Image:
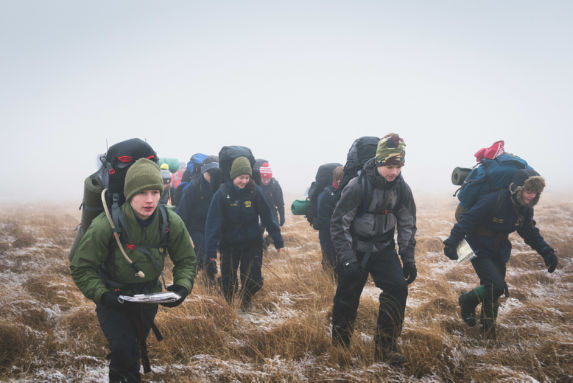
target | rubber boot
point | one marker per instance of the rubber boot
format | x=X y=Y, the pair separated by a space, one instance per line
x=488 y=317
x=468 y=302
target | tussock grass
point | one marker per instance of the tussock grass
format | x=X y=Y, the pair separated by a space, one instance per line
x=47 y=325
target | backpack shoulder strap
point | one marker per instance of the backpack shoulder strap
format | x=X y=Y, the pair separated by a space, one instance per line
x=163 y=226
x=366 y=192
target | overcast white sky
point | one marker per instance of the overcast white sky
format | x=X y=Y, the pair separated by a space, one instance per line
x=296 y=81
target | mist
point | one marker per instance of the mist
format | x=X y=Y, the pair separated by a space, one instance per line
x=296 y=82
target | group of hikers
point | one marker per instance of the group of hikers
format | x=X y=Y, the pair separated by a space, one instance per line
x=224 y=208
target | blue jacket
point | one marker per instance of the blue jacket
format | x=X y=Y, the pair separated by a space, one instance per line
x=233 y=218
x=487 y=225
x=274 y=195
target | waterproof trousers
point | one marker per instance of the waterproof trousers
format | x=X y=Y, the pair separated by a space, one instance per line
x=124 y=328
x=386 y=271
x=246 y=258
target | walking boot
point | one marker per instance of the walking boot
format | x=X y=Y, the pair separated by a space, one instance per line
x=468 y=302
x=385 y=351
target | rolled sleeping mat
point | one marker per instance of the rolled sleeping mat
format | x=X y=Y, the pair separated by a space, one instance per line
x=459 y=175
x=299 y=206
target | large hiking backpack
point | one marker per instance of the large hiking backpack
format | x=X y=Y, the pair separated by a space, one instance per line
x=487 y=176
x=361 y=150
x=110 y=176
x=228 y=154
x=322 y=179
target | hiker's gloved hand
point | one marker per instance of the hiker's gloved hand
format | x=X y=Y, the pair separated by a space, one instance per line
x=211 y=268
x=410 y=272
x=110 y=299
x=450 y=249
x=282 y=220
x=179 y=290
x=550 y=259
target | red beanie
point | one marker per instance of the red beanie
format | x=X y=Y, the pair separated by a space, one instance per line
x=266 y=171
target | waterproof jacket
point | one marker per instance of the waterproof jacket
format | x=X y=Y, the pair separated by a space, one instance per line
x=274 y=195
x=233 y=218
x=194 y=204
x=325 y=204
x=488 y=223
x=369 y=210
x=98 y=252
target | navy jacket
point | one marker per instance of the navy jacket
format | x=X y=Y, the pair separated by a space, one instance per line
x=490 y=220
x=326 y=202
x=274 y=195
x=194 y=204
x=233 y=218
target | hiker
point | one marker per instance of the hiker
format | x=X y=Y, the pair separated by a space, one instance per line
x=166 y=177
x=192 y=209
x=102 y=272
x=326 y=202
x=274 y=194
x=486 y=226
x=233 y=222
x=371 y=207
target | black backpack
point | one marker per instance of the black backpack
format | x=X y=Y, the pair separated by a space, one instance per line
x=228 y=154
x=361 y=150
x=111 y=176
x=322 y=179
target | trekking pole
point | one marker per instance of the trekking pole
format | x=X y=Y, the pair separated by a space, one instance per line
x=138 y=272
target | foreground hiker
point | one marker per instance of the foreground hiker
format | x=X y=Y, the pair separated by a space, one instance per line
x=102 y=273
x=486 y=227
x=371 y=207
x=233 y=223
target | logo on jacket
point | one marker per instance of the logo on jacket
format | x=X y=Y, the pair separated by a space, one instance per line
x=248 y=204
x=497 y=220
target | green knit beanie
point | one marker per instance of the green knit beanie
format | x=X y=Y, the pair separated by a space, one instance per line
x=391 y=150
x=240 y=166
x=143 y=175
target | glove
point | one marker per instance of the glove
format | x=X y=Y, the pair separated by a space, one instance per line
x=110 y=299
x=179 y=290
x=282 y=220
x=410 y=272
x=550 y=259
x=450 y=249
x=211 y=268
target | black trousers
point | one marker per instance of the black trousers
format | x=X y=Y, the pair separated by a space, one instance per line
x=248 y=259
x=386 y=271
x=123 y=328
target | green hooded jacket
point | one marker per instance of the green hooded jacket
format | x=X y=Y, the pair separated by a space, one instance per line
x=98 y=248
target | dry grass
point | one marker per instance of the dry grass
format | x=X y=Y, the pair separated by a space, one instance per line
x=49 y=332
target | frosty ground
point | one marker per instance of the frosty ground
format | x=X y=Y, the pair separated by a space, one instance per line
x=49 y=332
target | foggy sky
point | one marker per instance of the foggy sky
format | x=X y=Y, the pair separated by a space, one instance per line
x=295 y=81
